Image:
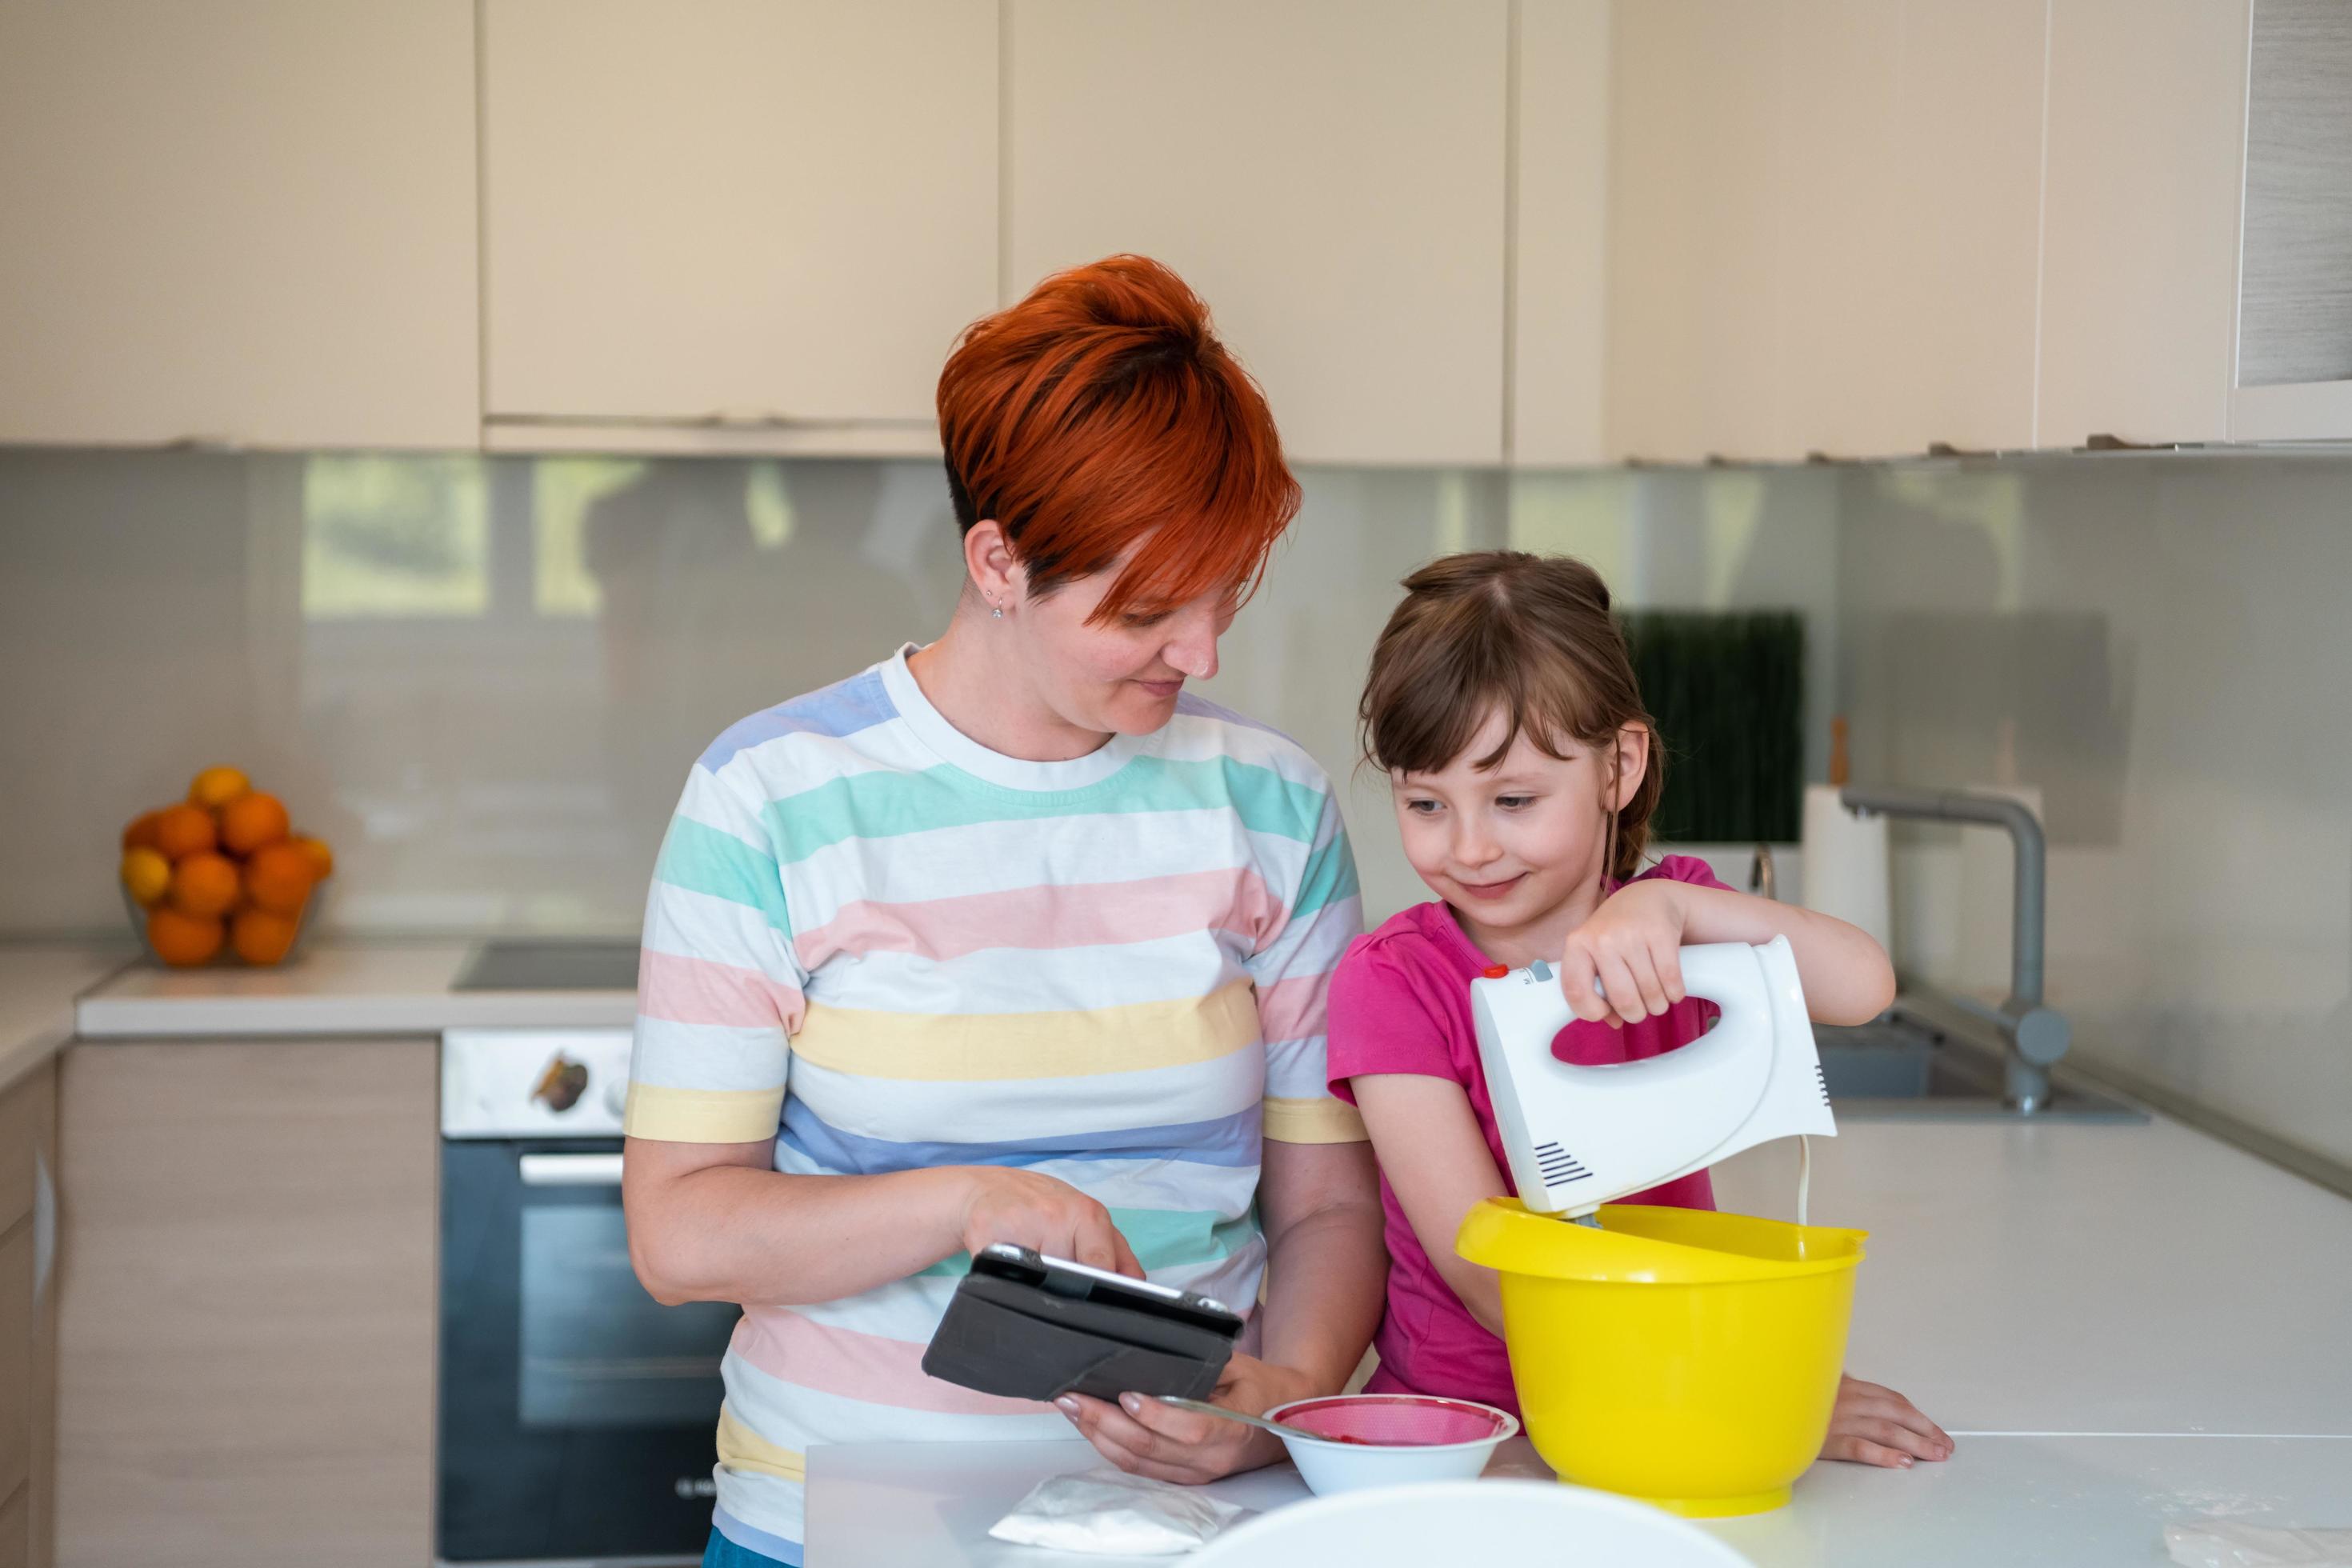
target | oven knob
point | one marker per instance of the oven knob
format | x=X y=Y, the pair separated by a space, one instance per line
x=616 y=1097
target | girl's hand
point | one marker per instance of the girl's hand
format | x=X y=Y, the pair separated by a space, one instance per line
x=1003 y=1202
x=1145 y=1437
x=1633 y=945
x=1874 y=1426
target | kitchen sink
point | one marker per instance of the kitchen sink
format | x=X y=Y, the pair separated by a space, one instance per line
x=551 y=966
x=1902 y=1067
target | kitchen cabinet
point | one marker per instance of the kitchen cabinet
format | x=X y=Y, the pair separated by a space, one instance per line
x=743 y=224
x=2147 y=117
x=1329 y=175
x=27 y=1318
x=1559 y=208
x=1823 y=227
x=246 y=1302
x=248 y=221
x=2293 y=364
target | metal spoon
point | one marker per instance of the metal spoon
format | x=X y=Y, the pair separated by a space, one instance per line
x=1204 y=1407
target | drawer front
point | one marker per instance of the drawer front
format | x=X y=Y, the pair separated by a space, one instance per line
x=22 y=1120
x=16 y=1359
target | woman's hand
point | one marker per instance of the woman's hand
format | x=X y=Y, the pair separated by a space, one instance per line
x=1633 y=945
x=1146 y=1438
x=1003 y=1202
x=1874 y=1426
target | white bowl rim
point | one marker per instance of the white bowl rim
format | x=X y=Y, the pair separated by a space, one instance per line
x=1510 y=1422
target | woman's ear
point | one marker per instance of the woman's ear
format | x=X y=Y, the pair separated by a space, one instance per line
x=1630 y=753
x=995 y=571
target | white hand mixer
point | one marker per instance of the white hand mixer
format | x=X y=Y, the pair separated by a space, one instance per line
x=1579 y=1137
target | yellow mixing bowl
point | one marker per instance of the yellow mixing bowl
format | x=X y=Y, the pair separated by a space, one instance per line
x=1683 y=1357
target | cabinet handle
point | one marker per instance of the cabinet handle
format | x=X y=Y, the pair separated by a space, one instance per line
x=45 y=1228
x=571 y=1170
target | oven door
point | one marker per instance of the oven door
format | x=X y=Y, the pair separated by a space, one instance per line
x=577 y=1412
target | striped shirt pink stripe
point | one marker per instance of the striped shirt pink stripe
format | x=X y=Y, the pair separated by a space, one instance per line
x=796 y=1349
x=1047 y=916
x=682 y=990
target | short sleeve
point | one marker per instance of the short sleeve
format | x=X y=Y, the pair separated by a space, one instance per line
x=1684 y=869
x=1381 y=1023
x=720 y=990
x=1323 y=913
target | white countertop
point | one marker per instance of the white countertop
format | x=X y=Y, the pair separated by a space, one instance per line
x=39 y=984
x=2119 y=1324
x=334 y=988
x=1999 y=1502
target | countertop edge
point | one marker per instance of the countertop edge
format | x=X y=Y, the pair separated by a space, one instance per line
x=101 y=1019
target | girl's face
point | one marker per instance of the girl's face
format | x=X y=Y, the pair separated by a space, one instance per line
x=1124 y=675
x=1511 y=846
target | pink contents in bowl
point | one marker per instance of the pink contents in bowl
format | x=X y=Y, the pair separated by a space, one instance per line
x=1396 y=1420
x=1350 y=1441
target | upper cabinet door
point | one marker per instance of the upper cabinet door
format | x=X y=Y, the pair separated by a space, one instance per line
x=1560 y=211
x=1328 y=175
x=2147 y=130
x=238 y=220
x=772 y=212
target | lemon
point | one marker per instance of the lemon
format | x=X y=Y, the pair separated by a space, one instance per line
x=146 y=873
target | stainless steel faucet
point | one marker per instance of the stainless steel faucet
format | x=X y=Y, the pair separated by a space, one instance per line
x=2036 y=1036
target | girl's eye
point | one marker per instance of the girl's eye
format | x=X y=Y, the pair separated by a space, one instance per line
x=1422 y=807
x=1514 y=802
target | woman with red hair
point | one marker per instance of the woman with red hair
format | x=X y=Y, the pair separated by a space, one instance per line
x=1009 y=938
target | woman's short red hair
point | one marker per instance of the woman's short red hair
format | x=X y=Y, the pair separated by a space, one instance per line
x=1101 y=414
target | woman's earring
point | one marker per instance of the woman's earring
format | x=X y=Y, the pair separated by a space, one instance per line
x=997 y=610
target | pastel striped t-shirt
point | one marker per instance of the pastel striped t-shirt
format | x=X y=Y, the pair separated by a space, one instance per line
x=887 y=947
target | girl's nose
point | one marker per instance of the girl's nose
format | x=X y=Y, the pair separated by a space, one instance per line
x=1473 y=846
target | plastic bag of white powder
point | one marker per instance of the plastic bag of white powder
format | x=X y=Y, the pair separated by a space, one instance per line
x=1110 y=1511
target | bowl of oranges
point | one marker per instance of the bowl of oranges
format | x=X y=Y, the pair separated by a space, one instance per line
x=221 y=875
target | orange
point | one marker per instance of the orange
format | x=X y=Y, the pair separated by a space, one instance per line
x=322 y=859
x=146 y=873
x=205 y=884
x=185 y=830
x=278 y=877
x=182 y=939
x=262 y=936
x=140 y=834
x=216 y=787
x=250 y=821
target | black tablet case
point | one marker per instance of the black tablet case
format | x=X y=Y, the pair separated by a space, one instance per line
x=1023 y=1341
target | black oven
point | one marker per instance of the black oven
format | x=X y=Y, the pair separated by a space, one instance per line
x=577 y=1414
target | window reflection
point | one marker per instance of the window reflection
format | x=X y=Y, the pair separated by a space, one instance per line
x=387 y=537
x=563 y=491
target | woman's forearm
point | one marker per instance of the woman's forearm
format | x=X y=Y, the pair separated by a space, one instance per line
x=736 y=1232
x=1327 y=1272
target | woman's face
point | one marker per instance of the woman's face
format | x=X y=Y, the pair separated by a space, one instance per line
x=1123 y=675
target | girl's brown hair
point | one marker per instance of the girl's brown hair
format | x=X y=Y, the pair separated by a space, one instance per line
x=1531 y=636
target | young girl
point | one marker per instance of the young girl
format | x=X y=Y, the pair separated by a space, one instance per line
x=1524 y=770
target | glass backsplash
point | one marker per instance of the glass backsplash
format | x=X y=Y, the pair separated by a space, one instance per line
x=483 y=680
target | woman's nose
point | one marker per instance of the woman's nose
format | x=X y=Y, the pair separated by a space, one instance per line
x=1193 y=648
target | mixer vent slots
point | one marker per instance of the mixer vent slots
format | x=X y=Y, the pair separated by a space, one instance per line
x=1558 y=1166
x=1822 y=1080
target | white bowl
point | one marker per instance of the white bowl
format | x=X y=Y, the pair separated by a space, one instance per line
x=1328 y=1466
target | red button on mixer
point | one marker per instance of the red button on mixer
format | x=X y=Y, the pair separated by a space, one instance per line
x=1495 y=971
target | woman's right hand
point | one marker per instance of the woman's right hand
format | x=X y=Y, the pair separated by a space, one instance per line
x=1004 y=1204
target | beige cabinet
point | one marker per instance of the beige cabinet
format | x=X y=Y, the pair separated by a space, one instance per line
x=1559 y=236
x=745 y=222
x=247 y=1303
x=1823 y=227
x=2146 y=129
x=1329 y=174
x=27 y=1318
x=240 y=220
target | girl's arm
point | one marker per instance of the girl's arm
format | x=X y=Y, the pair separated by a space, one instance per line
x=1437 y=1163
x=1632 y=940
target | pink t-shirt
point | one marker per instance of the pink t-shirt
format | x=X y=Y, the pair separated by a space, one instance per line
x=1401 y=1004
